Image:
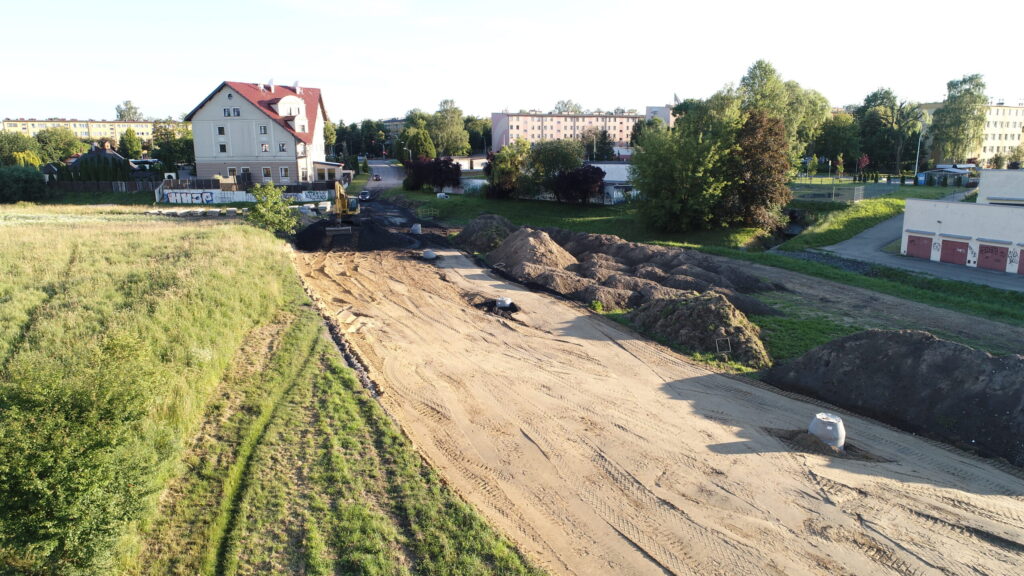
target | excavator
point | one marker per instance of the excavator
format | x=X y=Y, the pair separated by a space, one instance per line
x=342 y=214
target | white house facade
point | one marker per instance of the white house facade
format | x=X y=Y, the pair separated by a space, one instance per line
x=272 y=133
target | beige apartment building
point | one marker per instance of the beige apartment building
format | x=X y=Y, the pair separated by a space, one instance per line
x=84 y=129
x=1004 y=126
x=535 y=126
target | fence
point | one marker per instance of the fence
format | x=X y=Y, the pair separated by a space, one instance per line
x=848 y=194
x=85 y=187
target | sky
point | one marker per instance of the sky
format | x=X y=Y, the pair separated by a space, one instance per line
x=380 y=58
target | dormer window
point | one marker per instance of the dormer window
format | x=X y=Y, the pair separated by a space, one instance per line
x=282 y=147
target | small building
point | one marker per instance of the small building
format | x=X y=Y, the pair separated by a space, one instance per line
x=988 y=234
x=618 y=186
x=261 y=132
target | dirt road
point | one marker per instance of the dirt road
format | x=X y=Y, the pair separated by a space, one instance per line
x=600 y=452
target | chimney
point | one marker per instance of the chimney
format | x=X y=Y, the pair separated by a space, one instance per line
x=271 y=85
x=296 y=87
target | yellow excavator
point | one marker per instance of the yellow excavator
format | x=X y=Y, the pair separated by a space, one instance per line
x=342 y=214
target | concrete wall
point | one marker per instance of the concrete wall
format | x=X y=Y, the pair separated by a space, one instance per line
x=1001 y=187
x=983 y=228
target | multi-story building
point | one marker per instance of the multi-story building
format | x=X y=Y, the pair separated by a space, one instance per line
x=84 y=129
x=272 y=133
x=535 y=126
x=1004 y=127
x=393 y=126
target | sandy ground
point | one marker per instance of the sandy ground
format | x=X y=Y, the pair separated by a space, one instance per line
x=599 y=452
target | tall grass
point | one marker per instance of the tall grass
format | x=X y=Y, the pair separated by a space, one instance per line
x=839 y=225
x=113 y=335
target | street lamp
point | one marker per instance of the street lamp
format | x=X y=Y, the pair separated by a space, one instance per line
x=917 y=159
x=410 y=154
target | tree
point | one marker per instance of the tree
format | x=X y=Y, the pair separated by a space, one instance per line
x=504 y=169
x=479 y=130
x=567 y=107
x=579 y=185
x=127 y=112
x=19 y=183
x=959 y=124
x=839 y=137
x=11 y=142
x=172 y=144
x=1016 y=157
x=763 y=89
x=271 y=211
x=812 y=167
x=130 y=146
x=642 y=125
x=28 y=159
x=840 y=168
x=448 y=131
x=330 y=136
x=761 y=192
x=56 y=144
x=597 y=144
x=998 y=161
x=682 y=174
x=418 y=141
x=550 y=158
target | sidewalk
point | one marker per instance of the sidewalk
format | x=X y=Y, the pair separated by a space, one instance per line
x=867 y=247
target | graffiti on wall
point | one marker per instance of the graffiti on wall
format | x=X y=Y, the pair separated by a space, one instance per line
x=187 y=197
x=227 y=197
x=1013 y=256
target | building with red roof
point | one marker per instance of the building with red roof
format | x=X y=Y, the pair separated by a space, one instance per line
x=271 y=133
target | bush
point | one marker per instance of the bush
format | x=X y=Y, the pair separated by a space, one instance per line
x=271 y=211
x=19 y=183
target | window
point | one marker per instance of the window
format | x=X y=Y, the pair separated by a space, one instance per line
x=223 y=147
x=305 y=175
x=263 y=129
x=232 y=172
x=264 y=147
x=266 y=172
x=282 y=147
x=227 y=112
x=245 y=169
x=284 y=172
x=236 y=112
x=220 y=131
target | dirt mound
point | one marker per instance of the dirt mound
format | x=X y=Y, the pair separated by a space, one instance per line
x=913 y=380
x=484 y=233
x=311 y=238
x=749 y=305
x=609 y=298
x=527 y=245
x=553 y=279
x=699 y=323
x=373 y=236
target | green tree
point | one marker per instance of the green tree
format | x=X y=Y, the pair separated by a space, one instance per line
x=802 y=111
x=567 y=107
x=418 y=141
x=839 y=136
x=448 y=131
x=597 y=144
x=762 y=88
x=172 y=144
x=840 y=167
x=130 y=146
x=959 y=124
x=641 y=126
x=504 y=169
x=812 y=167
x=682 y=174
x=998 y=161
x=19 y=183
x=550 y=158
x=127 y=112
x=56 y=144
x=27 y=158
x=1016 y=156
x=330 y=136
x=11 y=142
x=271 y=211
x=479 y=130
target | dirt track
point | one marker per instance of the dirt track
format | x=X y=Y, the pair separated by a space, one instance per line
x=599 y=452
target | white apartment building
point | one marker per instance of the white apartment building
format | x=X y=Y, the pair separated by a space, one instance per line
x=1004 y=126
x=274 y=133
x=84 y=129
x=535 y=126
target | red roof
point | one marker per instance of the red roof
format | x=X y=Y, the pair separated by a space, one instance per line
x=263 y=100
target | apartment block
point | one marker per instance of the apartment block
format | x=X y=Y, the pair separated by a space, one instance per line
x=84 y=129
x=536 y=126
x=1004 y=127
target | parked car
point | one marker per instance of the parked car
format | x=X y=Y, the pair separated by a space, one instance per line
x=376 y=177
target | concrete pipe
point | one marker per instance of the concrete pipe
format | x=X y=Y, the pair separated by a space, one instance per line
x=829 y=429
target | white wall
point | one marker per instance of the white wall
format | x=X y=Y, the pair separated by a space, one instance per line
x=1001 y=186
x=976 y=224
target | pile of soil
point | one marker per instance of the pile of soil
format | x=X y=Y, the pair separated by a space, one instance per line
x=699 y=323
x=311 y=238
x=373 y=236
x=526 y=245
x=921 y=383
x=484 y=233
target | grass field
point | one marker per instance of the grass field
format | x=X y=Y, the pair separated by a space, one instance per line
x=170 y=404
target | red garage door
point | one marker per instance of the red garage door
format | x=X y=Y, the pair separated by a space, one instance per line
x=954 y=252
x=1020 y=263
x=992 y=257
x=919 y=247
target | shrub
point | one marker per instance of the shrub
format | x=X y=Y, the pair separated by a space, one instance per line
x=19 y=183
x=271 y=211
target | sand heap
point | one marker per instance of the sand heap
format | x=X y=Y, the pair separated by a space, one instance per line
x=484 y=233
x=676 y=294
x=920 y=383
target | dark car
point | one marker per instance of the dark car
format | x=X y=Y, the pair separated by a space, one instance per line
x=364 y=195
x=376 y=177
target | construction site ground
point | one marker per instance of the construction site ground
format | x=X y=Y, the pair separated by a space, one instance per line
x=600 y=452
